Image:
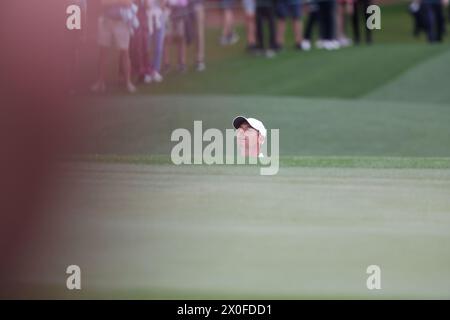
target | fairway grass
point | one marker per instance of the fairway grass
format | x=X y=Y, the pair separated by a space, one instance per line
x=426 y=82
x=142 y=125
x=347 y=73
x=291 y=161
x=186 y=232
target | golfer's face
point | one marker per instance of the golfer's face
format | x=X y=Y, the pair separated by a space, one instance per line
x=247 y=138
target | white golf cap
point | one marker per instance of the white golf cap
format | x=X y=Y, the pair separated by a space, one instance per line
x=254 y=123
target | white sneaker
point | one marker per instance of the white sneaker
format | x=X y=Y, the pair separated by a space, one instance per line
x=157 y=77
x=148 y=79
x=335 y=44
x=320 y=44
x=345 y=42
x=131 y=88
x=230 y=39
x=306 y=45
x=200 y=67
x=270 y=53
x=331 y=45
x=98 y=87
x=234 y=38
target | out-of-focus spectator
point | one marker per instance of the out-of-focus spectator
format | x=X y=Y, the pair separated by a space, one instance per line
x=343 y=10
x=197 y=10
x=446 y=3
x=265 y=13
x=115 y=26
x=327 y=17
x=433 y=18
x=292 y=9
x=157 y=29
x=360 y=10
x=178 y=33
x=250 y=23
x=169 y=37
x=229 y=35
x=139 y=45
x=312 y=20
x=416 y=12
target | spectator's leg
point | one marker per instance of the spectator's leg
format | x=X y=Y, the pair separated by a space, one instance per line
x=227 y=29
x=332 y=19
x=421 y=20
x=448 y=14
x=126 y=67
x=313 y=17
x=158 y=47
x=325 y=13
x=297 y=26
x=105 y=37
x=168 y=44
x=136 y=54
x=417 y=27
x=250 y=22
x=134 y=45
x=147 y=66
x=429 y=22
x=272 y=28
x=200 y=32
x=251 y=30
x=122 y=36
x=348 y=10
x=157 y=44
x=440 y=21
x=322 y=19
x=281 y=13
x=260 y=27
x=355 y=22
x=297 y=23
x=181 y=45
x=367 y=3
x=281 y=29
x=142 y=62
x=340 y=12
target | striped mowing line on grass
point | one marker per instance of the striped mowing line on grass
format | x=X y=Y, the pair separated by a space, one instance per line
x=293 y=161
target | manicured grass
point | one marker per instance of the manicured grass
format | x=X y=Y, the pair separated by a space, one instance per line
x=142 y=125
x=425 y=83
x=159 y=232
x=346 y=73
x=291 y=161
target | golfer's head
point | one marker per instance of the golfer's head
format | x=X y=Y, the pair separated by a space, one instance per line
x=250 y=134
